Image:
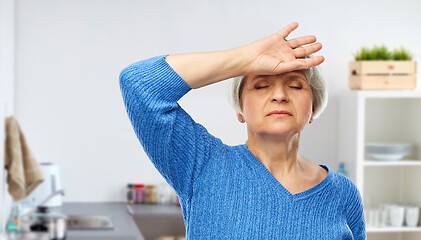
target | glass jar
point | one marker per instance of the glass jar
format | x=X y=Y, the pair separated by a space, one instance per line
x=164 y=193
x=130 y=193
x=150 y=196
x=138 y=192
x=174 y=198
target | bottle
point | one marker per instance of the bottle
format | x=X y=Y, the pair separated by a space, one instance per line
x=130 y=193
x=341 y=169
x=13 y=222
x=138 y=193
x=150 y=194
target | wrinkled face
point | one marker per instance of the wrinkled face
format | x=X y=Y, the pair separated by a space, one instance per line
x=277 y=105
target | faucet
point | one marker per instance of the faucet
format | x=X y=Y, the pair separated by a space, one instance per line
x=61 y=192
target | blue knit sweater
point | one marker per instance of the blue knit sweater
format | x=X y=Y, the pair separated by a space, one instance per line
x=225 y=192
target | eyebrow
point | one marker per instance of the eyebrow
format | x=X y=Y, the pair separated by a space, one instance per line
x=291 y=76
x=260 y=77
x=295 y=76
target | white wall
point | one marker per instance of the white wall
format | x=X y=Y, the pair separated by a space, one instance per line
x=7 y=16
x=69 y=54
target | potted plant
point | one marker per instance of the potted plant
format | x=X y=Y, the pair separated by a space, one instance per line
x=380 y=69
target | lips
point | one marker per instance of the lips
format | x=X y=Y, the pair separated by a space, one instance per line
x=280 y=112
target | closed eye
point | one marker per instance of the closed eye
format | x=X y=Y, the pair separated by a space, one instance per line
x=260 y=87
x=295 y=87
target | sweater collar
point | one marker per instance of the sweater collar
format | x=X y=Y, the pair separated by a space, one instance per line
x=267 y=175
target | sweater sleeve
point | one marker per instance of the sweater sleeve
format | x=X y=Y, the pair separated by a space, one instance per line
x=176 y=145
x=355 y=213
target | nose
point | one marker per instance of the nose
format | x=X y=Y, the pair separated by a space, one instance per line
x=279 y=95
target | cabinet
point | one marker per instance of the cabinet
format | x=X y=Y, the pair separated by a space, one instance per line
x=156 y=220
x=389 y=117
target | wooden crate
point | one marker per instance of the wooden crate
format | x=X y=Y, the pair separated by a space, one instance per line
x=382 y=75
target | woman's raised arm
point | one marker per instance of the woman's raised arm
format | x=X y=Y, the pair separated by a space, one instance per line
x=179 y=147
x=268 y=56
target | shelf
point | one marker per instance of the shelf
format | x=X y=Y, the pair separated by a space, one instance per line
x=384 y=117
x=369 y=163
x=392 y=229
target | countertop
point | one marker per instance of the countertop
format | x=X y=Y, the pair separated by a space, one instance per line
x=124 y=225
x=144 y=210
x=122 y=215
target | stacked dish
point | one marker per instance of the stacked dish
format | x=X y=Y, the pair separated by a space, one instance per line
x=388 y=151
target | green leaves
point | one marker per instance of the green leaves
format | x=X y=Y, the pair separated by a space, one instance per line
x=382 y=53
x=402 y=54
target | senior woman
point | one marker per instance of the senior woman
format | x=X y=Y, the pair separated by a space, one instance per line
x=263 y=189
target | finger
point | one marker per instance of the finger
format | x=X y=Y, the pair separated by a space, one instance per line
x=296 y=42
x=305 y=51
x=289 y=66
x=299 y=64
x=288 y=29
x=311 y=62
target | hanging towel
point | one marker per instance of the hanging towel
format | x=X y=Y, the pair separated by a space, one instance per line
x=24 y=173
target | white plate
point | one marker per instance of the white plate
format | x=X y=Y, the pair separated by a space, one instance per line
x=388 y=157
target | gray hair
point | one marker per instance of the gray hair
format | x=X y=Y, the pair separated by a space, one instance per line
x=314 y=77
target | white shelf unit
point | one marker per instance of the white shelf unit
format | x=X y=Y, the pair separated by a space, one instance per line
x=388 y=117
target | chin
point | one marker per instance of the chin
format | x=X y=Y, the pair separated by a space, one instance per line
x=281 y=132
x=281 y=127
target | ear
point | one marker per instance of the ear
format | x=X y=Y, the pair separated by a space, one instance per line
x=311 y=117
x=240 y=118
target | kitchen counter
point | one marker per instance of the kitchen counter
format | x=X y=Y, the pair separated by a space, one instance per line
x=124 y=226
x=144 y=210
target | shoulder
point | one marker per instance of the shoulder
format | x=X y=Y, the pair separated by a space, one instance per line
x=344 y=182
x=349 y=191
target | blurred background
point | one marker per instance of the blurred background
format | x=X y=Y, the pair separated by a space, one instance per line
x=60 y=65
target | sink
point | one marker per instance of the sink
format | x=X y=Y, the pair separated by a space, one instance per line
x=86 y=222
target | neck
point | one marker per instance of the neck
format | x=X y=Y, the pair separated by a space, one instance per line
x=278 y=154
